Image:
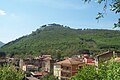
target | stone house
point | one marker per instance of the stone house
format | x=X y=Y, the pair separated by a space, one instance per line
x=106 y=56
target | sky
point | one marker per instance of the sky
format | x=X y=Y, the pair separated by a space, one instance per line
x=21 y=17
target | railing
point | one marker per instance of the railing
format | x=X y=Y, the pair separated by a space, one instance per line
x=64 y=70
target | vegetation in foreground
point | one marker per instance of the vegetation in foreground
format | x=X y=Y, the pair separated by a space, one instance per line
x=49 y=77
x=106 y=71
x=9 y=72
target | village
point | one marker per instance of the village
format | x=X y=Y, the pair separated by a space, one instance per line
x=44 y=65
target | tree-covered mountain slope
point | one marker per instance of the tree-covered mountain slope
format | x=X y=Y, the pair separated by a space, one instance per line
x=55 y=38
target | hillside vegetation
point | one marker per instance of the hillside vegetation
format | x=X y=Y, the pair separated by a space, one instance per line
x=54 y=38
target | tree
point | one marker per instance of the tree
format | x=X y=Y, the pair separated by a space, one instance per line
x=58 y=54
x=86 y=73
x=114 y=6
x=2 y=54
x=109 y=71
x=8 y=72
x=49 y=77
x=105 y=71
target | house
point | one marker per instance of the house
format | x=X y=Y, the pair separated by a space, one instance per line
x=36 y=75
x=30 y=68
x=43 y=63
x=31 y=78
x=47 y=64
x=67 y=68
x=57 y=71
x=117 y=59
x=106 y=56
x=14 y=61
x=31 y=61
x=39 y=74
x=84 y=53
x=29 y=64
x=3 y=59
x=89 y=61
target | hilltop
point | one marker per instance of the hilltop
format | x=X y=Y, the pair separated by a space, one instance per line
x=55 y=38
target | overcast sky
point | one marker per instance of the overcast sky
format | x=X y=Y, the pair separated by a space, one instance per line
x=21 y=17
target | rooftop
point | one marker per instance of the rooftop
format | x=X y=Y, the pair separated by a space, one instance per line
x=39 y=73
x=32 y=78
x=117 y=59
x=69 y=61
x=105 y=53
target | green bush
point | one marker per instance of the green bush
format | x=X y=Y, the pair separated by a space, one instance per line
x=106 y=71
x=9 y=72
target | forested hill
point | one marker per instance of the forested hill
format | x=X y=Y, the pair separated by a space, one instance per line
x=1 y=43
x=55 y=38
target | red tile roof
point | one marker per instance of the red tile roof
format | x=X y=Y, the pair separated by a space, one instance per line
x=69 y=61
x=39 y=73
x=89 y=61
x=117 y=59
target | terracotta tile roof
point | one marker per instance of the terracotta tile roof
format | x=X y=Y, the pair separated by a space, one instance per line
x=117 y=59
x=39 y=73
x=89 y=61
x=69 y=61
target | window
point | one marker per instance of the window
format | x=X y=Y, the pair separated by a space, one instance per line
x=80 y=67
x=67 y=68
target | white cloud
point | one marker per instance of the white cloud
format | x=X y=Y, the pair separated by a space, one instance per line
x=2 y=13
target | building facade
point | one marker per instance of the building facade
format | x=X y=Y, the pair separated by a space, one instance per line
x=67 y=68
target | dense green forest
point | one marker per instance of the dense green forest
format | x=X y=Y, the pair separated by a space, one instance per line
x=58 y=39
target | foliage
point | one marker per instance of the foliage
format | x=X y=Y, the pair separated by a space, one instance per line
x=8 y=72
x=2 y=54
x=106 y=71
x=62 y=41
x=49 y=77
x=86 y=73
x=109 y=71
x=114 y=6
